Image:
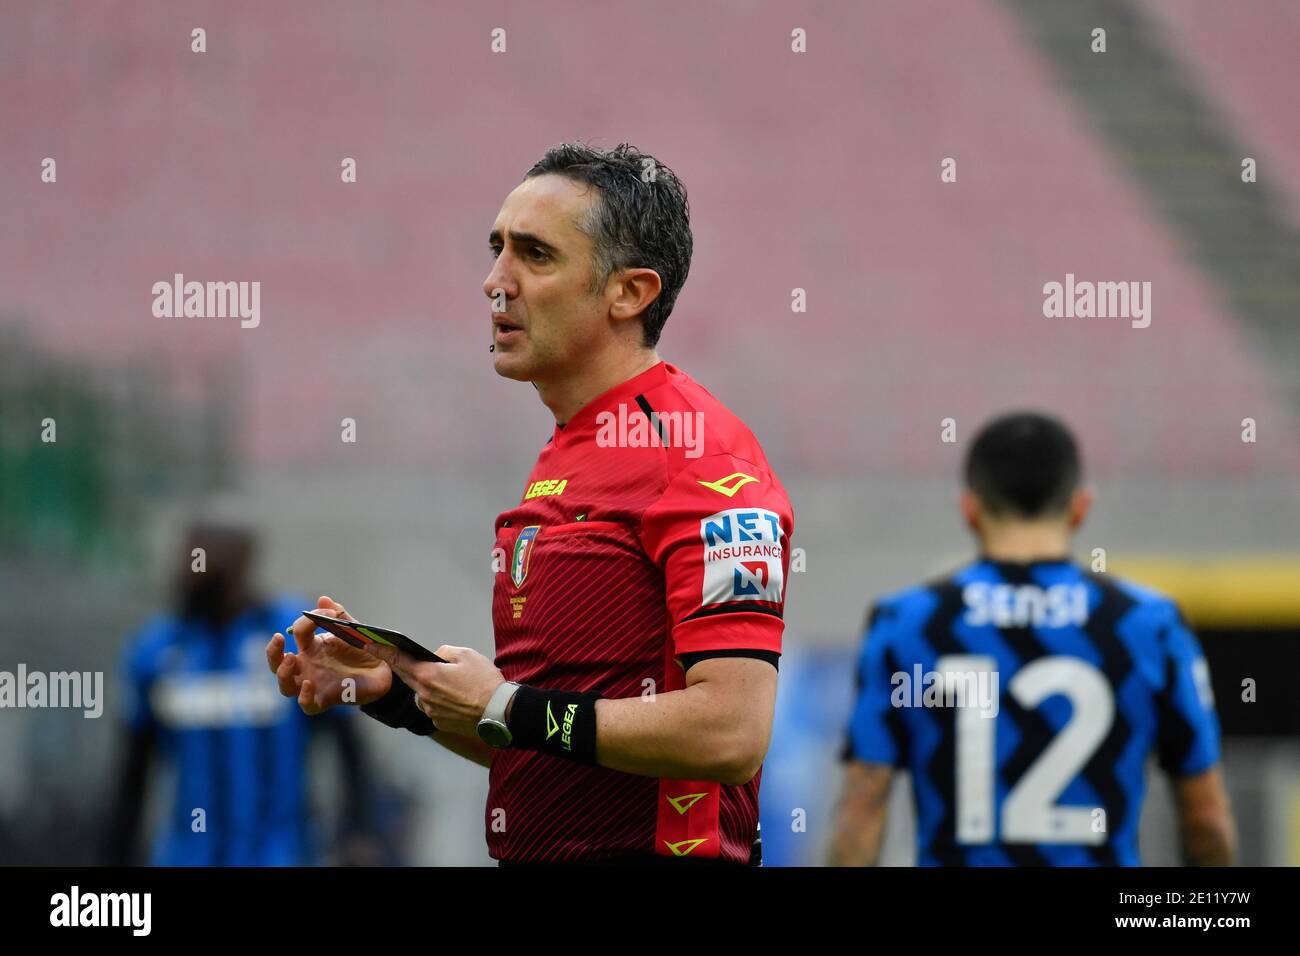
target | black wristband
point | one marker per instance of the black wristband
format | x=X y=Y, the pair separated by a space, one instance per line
x=397 y=709
x=561 y=723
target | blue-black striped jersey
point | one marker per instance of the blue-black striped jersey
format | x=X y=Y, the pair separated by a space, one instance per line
x=237 y=748
x=1025 y=699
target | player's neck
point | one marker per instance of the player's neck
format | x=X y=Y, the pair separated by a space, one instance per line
x=1025 y=543
x=565 y=397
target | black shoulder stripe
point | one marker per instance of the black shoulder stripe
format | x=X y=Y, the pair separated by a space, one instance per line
x=649 y=413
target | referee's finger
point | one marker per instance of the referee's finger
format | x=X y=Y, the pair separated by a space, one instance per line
x=304 y=629
x=275 y=651
x=307 y=699
x=285 y=673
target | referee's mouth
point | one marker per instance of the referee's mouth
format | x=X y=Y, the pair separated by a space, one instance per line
x=504 y=331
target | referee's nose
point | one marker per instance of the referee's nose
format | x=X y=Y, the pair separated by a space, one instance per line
x=500 y=278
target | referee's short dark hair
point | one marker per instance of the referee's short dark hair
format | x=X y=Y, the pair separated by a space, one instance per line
x=640 y=219
x=1025 y=465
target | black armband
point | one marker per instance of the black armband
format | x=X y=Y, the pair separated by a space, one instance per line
x=397 y=709
x=691 y=658
x=561 y=723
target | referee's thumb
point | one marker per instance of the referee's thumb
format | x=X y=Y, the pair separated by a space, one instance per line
x=328 y=603
x=385 y=653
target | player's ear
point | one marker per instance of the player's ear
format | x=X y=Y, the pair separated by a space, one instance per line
x=1080 y=504
x=970 y=509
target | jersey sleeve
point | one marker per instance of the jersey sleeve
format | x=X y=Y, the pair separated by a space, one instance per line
x=875 y=732
x=720 y=533
x=136 y=677
x=1188 y=731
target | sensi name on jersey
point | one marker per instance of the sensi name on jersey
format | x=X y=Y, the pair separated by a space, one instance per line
x=742 y=556
x=1025 y=605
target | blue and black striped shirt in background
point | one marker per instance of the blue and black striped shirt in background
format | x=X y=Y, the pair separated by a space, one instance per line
x=1025 y=700
x=204 y=699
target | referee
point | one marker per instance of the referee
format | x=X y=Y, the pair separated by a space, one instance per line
x=640 y=577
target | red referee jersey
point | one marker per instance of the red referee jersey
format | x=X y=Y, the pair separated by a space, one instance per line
x=650 y=527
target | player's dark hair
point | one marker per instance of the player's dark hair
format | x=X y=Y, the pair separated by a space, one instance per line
x=1024 y=464
x=640 y=219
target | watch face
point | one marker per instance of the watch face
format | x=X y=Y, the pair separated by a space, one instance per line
x=494 y=733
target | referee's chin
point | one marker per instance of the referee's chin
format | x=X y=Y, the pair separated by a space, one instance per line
x=516 y=365
x=511 y=366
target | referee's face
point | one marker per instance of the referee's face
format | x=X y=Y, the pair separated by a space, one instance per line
x=551 y=322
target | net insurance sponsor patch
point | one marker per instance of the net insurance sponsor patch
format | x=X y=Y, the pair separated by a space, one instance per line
x=742 y=556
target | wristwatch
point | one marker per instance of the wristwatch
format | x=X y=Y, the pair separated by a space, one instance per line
x=492 y=725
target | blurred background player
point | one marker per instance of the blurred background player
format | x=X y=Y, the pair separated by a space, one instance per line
x=1048 y=687
x=199 y=696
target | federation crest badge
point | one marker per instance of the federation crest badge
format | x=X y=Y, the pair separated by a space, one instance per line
x=523 y=548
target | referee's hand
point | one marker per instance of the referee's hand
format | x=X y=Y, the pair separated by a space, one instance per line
x=326 y=671
x=453 y=695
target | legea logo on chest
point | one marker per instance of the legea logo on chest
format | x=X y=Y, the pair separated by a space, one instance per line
x=742 y=556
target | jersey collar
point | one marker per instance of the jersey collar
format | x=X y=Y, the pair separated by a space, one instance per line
x=1045 y=559
x=584 y=419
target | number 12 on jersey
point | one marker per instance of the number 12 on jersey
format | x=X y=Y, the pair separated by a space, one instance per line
x=1029 y=813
